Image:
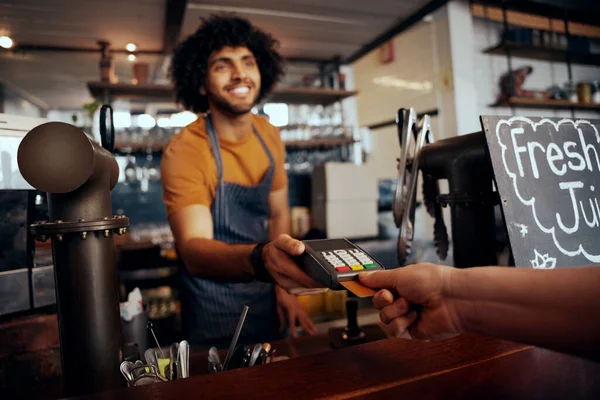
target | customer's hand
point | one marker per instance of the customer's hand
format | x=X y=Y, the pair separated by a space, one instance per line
x=291 y=311
x=423 y=287
x=284 y=271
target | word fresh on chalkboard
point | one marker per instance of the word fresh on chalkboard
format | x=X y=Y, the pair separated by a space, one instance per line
x=547 y=171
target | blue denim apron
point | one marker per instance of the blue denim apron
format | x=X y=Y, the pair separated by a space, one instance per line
x=210 y=309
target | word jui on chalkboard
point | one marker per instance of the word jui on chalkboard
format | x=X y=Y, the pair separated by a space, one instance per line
x=547 y=172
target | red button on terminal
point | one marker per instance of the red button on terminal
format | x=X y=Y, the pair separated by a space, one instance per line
x=342 y=269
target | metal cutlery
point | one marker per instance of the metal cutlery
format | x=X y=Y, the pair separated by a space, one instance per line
x=183 y=360
x=235 y=338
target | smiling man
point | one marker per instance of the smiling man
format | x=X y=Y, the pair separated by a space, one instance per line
x=226 y=190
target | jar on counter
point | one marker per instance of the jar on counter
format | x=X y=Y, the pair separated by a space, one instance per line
x=584 y=92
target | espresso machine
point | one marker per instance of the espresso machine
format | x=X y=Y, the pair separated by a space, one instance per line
x=462 y=161
x=78 y=175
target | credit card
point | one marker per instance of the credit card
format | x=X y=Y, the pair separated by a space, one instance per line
x=358 y=288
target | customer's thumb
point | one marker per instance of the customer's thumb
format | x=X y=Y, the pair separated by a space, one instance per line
x=378 y=279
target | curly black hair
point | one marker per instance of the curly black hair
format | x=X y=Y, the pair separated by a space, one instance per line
x=190 y=61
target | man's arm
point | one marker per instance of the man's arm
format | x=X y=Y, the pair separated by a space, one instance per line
x=204 y=257
x=193 y=229
x=279 y=209
x=557 y=309
x=289 y=308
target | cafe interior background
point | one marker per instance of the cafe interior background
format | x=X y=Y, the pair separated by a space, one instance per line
x=350 y=66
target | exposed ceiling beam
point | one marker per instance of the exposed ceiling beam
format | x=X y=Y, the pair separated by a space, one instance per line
x=308 y=60
x=174 y=14
x=395 y=30
x=273 y=13
x=26 y=47
x=36 y=101
x=173 y=21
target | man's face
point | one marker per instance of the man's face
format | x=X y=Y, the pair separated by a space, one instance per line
x=232 y=80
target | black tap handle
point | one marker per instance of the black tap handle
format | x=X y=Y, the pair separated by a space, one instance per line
x=400 y=124
x=353 y=329
x=107 y=128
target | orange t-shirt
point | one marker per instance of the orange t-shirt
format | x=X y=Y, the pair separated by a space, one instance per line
x=189 y=171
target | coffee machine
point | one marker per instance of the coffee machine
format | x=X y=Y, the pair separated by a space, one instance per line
x=477 y=231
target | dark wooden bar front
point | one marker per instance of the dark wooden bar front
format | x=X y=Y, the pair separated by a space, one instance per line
x=468 y=366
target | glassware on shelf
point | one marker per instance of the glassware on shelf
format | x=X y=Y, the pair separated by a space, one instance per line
x=304 y=161
x=152 y=171
x=153 y=233
x=337 y=117
x=136 y=139
x=130 y=170
x=570 y=92
x=596 y=92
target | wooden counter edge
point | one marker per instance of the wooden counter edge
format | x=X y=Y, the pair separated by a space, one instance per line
x=359 y=370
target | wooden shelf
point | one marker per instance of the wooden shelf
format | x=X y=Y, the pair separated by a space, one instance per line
x=293 y=144
x=126 y=91
x=138 y=148
x=164 y=93
x=307 y=126
x=316 y=143
x=541 y=53
x=552 y=104
x=589 y=28
x=300 y=95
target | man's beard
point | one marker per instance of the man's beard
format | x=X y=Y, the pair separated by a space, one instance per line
x=223 y=105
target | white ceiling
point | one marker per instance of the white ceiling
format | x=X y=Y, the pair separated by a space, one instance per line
x=311 y=28
x=57 y=80
x=81 y=23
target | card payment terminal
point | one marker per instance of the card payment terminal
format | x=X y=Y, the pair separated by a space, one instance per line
x=335 y=263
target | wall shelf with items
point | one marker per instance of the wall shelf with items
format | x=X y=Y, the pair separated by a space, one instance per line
x=164 y=93
x=550 y=104
x=315 y=135
x=536 y=18
x=302 y=95
x=127 y=91
x=318 y=143
x=548 y=35
x=139 y=148
x=543 y=53
x=290 y=145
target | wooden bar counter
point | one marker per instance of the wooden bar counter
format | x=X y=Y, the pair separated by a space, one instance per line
x=468 y=366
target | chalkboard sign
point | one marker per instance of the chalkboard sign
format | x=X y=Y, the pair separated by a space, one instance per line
x=547 y=171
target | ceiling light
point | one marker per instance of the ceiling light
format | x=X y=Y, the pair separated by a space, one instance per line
x=131 y=47
x=131 y=57
x=6 y=42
